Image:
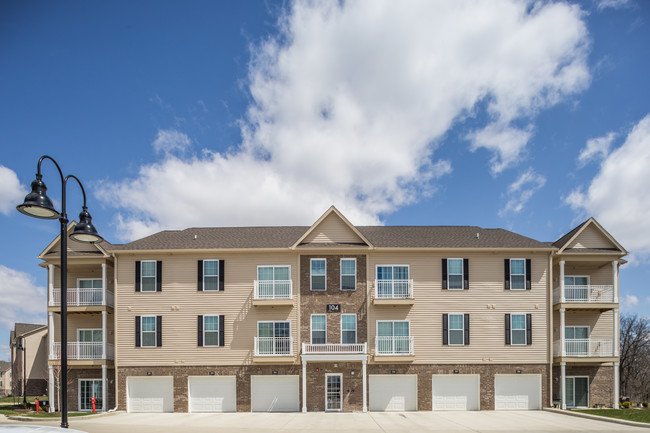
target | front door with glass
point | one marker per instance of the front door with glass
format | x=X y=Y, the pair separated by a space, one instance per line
x=333 y=396
x=89 y=388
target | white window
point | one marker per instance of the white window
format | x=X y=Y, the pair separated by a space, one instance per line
x=148 y=276
x=348 y=274
x=274 y=338
x=210 y=275
x=455 y=274
x=392 y=281
x=393 y=337
x=517 y=274
x=89 y=335
x=348 y=329
x=89 y=388
x=148 y=331
x=456 y=330
x=210 y=331
x=318 y=329
x=576 y=280
x=89 y=283
x=318 y=274
x=518 y=329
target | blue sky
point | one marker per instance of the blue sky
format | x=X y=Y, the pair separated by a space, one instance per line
x=531 y=116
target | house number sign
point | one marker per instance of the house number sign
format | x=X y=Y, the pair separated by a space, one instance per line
x=333 y=308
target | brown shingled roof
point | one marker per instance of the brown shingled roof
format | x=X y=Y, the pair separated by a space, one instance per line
x=4 y=366
x=564 y=239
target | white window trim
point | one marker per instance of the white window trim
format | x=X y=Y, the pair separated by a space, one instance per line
x=340 y=388
x=218 y=330
x=98 y=408
x=525 y=276
x=462 y=273
x=312 y=275
x=99 y=279
x=574 y=390
x=356 y=326
x=341 y=274
x=449 y=343
x=525 y=330
x=274 y=321
x=155 y=276
x=588 y=284
x=79 y=330
x=311 y=328
x=204 y=275
x=155 y=331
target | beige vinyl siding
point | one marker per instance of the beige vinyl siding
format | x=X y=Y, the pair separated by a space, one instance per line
x=599 y=274
x=601 y=325
x=93 y=271
x=82 y=321
x=591 y=237
x=332 y=230
x=486 y=288
x=180 y=303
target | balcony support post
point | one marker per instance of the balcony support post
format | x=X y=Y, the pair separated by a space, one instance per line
x=616 y=331
x=104 y=284
x=104 y=334
x=562 y=297
x=616 y=391
x=50 y=385
x=304 y=386
x=365 y=385
x=615 y=278
x=50 y=283
x=563 y=385
x=104 y=388
x=562 y=343
x=50 y=330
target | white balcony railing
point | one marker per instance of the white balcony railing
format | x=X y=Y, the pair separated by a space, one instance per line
x=272 y=289
x=78 y=350
x=273 y=346
x=394 y=345
x=360 y=348
x=393 y=289
x=585 y=347
x=79 y=297
x=588 y=293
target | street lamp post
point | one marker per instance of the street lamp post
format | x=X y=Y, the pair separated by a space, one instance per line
x=37 y=204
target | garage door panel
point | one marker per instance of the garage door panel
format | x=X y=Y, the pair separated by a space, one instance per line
x=212 y=393
x=518 y=392
x=150 y=394
x=393 y=392
x=275 y=394
x=455 y=392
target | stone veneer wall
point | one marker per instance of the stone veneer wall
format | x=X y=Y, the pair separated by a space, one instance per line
x=601 y=382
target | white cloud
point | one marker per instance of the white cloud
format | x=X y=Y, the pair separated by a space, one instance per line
x=168 y=141
x=596 y=149
x=521 y=190
x=22 y=300
x=351 y=99
x=614 y=4
x=629 y=301
x=619 y=197
x=11 y=191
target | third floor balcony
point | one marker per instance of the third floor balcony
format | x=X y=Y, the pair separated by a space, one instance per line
x=588 y=294
x=82 y=297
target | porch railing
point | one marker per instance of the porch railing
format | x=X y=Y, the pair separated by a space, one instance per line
x=78 y=350
x=584 y=347
x=588 y=293
x=308 y=348
x=273 y=346
x=79 y=297
x=273 y=289
x=394 y=345
x=393 y=289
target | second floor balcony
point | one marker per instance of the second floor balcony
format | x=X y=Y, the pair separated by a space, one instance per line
x=585 y=348
x=80 y=351
x=587 y=294
x=334 y=349
x=82 y=297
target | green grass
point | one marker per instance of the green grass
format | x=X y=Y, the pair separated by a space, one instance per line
x=19 y=399
x=638 y=415
x=18 y=410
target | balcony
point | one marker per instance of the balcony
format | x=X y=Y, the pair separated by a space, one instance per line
x=585 y=348
x=82 y=297
x=334 y=349
x=83 y=351
x=595 y=295
x=273 y=347
x=272 y=292
x=393 y=292
x=394 y=346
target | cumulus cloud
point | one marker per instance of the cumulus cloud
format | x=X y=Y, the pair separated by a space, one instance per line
x=618 y=196
x=168 y=141
x=11 y=191
x=596 y=149
x=629 y=301
x=350 y=100
x=614 y=4
x=521 y=190
x=19 y=291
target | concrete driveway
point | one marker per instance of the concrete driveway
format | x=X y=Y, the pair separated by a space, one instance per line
x=411 y=422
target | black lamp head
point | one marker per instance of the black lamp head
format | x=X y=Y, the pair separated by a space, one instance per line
x=85 y=231
x=37 y=204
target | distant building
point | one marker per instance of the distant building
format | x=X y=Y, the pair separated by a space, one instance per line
x=5 y=378
x=28 y=343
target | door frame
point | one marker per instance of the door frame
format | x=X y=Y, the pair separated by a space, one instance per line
x=340 y=376
x=79 y=389
x=574 y=390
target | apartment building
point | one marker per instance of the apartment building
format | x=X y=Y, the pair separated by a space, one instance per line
x=337 y=317
x=28 y=346
x=5 y=378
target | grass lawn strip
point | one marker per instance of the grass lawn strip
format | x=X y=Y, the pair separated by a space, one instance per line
x=637 y=415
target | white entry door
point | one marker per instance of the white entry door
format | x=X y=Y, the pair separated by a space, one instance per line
x=212 y=393
x=456 y=391
x=517 y=391
x=275 y=393
x=150 y=394
x=393 y=392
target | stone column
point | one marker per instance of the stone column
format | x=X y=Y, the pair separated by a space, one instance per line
x=563 y=384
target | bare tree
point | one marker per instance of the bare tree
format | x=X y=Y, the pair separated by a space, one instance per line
x=635 y=357
x=56 y=370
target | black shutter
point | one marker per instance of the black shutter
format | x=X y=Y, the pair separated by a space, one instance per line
x=445 y=329
x=158 y=331
x=199 y=277
x=199 y=331
x=221 y=330
x=137 y=331
x=221 y=274
x=158 y=276
x=444 y=274
x=507 y=273
x=529 y=329
x=466 y=274
x=507 y=329
x=466 y=318
x=137 y=275
x=527 y=274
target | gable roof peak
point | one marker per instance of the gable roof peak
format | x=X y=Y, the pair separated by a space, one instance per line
x=332 y=211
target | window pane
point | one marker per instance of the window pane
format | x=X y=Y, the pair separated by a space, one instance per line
x=84 y=335
x=85 y=284
x=456 y=337
x=401 y=272
x=456 y=321
x=149 y=339
x=148 y=269
x=148 y=323
x=96 y=335
x=318 y=337
x=348 y=322
x=282 y=273
x=265 y=329
x=265 y=273
x=97 y=284
x=518 y=336
x=281 y=329
x=210 y=283
x=401 y=329
x=517 y=282
x=211 y=323
x=455 y=266
x=318 y=322
x=148 y=284
x=318 y=282
x=569 y=281
x=455 y=281
x=348 y=267
x=385 y=329
x=211 y=267
x=581 y=281
x=348 y=282
x=211 y=338
x=349 y=337
x=384 y=273
x=517 y=266
x=518 y=321
x=318 y=267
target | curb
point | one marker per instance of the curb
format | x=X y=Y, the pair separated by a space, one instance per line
x=599 y=418
x=35 y=418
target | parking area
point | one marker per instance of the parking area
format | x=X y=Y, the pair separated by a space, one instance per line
x=375 y=422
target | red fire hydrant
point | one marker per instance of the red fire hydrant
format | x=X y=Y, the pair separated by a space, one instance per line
x=94 y=399
x=37 y=405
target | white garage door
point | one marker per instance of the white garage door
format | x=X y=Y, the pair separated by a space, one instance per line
x=393 y=392
x=517 y=391
x=274 y=394
x=212 y=393
x=150 y=394
x=456 y=392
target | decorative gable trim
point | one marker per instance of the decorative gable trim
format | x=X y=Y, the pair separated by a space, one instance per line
x=330 y=211
x=591 y=221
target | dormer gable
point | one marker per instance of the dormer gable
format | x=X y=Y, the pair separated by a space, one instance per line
x=332 y=228
x=590 y=236
x=54 y=248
